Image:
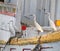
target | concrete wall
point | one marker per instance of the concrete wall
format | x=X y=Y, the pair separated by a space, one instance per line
x=11 y=1
x=33 y=5
x=37 y=7
x=29 y=7
x=52 y=9
x=58 y=10
x=41 y=17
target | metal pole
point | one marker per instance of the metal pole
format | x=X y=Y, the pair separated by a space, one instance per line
x=18 y=14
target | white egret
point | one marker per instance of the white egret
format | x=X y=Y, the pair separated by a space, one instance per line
x=52 y=24
x=39 y=28
x=13 y=29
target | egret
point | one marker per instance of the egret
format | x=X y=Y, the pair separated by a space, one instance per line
x=51 y=22
x=39 y=28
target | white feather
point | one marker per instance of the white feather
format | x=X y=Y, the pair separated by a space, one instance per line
x=52 y=23
x=11 y=29
x=37 y=25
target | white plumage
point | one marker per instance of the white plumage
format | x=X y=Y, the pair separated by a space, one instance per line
x=51 y=23
x=37 y=25
x=13 y=28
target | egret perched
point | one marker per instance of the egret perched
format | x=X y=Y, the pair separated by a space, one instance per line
x=51 y=22
x=39 y=28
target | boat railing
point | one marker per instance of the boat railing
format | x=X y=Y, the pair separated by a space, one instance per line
x=7 y=8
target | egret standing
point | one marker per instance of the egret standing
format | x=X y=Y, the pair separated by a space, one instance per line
x=39 y=28
x=51 y=22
